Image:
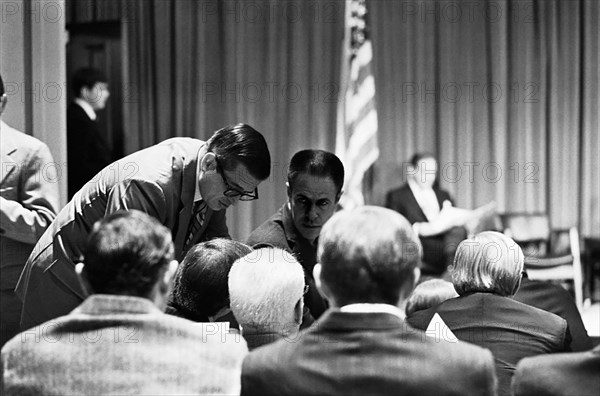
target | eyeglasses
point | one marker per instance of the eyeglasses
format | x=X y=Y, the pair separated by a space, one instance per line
x=233 y=192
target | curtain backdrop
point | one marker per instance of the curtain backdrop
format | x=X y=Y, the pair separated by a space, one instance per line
x=505 y=94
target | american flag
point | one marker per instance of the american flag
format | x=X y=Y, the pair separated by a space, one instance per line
x=356 y=140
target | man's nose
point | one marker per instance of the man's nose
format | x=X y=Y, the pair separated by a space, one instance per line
x=233 y=200
x=312 y=213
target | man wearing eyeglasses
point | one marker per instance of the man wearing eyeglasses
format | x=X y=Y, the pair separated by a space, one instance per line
x=184 y=183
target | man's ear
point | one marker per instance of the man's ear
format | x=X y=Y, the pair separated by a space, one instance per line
x=288 y=189
x=208 y=163
x=82 y=278
x=169 y=273
x=3 y=101
x=298 y=311
x=338 y=196
x=321 y=286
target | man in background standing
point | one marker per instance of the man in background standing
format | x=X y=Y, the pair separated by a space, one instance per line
x=87 y=150
x=28 y=204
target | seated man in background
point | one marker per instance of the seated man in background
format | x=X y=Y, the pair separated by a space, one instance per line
x=421 y=200
x=314 y=187
x=362 y=345
x=200 y=291
x=118 y=341
x=266 y=289
x=429 y=294
x=486 y=274
x=559 y=374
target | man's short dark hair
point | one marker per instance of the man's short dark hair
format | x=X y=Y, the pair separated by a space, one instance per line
x=243 y=144
x=368 y=255
x=126 y=253
x=200 y=285
x=418 y=157
x=2 y=91
x=317 y=163
x=86 y=77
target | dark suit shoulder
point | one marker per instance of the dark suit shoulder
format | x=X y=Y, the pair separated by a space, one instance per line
x=270 y=232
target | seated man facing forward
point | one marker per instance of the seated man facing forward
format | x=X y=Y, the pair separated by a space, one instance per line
x=266 y=289
x=118 y=341
x=314 y=187
x=363 y=345
x=421 y=201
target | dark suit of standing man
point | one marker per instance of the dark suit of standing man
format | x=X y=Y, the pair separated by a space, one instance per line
x=28 y=204
x=420 y=201
x=87 y=150
x=185 y=183
x=367 y=268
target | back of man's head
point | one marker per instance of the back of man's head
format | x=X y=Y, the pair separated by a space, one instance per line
x=241 y=144
x=266 y=289
x=200 y=285
x=126 y=253
x=2 y=91
x=317 y=163
x=86 y=77
x=367 y=255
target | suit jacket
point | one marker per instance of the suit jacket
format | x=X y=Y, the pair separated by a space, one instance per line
x=121 y=345
x=29 y=200
x=87 y=150
x=509 y=329
x=366 y=354
x=279 y=231
x=559 y=374
x=554 y=298
x=403 y=201
x=436 y=253
x=159 y=180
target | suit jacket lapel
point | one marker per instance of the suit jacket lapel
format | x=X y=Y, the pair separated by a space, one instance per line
x=188 y=188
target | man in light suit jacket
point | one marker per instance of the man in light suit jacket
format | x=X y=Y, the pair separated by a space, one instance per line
x=367 y=267
x=184 y=183
x=560 y=374
x=420 y=200
x=28 y=204
x=118 y=341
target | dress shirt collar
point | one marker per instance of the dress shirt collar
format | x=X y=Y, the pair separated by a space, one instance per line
x=87 y=108
x=373 y=308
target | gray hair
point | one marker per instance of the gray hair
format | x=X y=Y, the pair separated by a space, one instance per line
x=264 y=288
x=488 y=262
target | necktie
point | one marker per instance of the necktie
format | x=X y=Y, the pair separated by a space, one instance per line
x=198 y=215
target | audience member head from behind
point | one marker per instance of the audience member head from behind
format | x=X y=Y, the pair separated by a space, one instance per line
x=314 y=187
x=234 y=162
x=422 y=170
x=266 y=288
x=429 y=294
x=129 y=253
x=90 y=85
x=200 y=291
x=489 y=262
x=367 y=255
